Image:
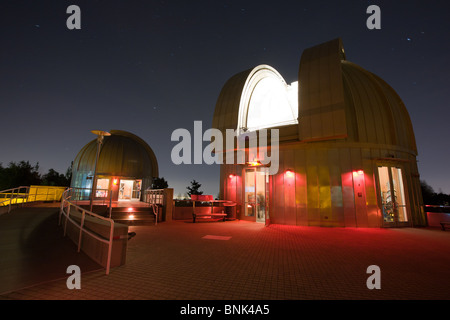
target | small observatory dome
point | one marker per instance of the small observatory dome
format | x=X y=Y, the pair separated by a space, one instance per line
x=125 y=160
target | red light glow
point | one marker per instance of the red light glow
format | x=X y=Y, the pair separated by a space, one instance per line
x=358 y=173
x=231 y=176
x=254 y=163
x=290 y=174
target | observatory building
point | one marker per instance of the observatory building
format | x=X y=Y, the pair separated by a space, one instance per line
x=347 y=151
x=126 y=166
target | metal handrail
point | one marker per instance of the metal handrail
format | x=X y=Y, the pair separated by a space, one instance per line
x=67 y=203
x=84 y=194
x=15 y=194
x=154 y=198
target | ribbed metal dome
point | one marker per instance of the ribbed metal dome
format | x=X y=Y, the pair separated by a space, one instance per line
x=122 y=154
x=338 y=100
x=375 y=113
x=227 y=107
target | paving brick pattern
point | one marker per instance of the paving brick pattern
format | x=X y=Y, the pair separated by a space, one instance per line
x=173 y=261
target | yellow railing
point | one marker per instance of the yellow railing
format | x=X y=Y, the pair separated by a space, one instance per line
x=25 y=194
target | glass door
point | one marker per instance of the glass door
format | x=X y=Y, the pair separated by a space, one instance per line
x=262 y=195
x=126 y=189
x=392 y=194
x=249 y=193
x=256 y=194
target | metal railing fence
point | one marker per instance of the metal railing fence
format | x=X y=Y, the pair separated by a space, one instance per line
x=72 y=217
x=154 y=198
x=14 y=196
x=25 y=194
x=84 y=194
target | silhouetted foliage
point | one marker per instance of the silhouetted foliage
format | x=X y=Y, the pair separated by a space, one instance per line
x=69 y=173
x=19 y=174
x=159 y=183
x=53 y=178
x=24 y=174
x=194 y=188
x=430 y=197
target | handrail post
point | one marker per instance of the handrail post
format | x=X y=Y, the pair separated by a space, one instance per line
x=60 y=210
x=11 y=200
x=83 y=214
x=111 y=237
x=67 y=217
x=27 y=189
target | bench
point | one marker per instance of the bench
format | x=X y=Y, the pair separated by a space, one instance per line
x=444 y=224
x=210 y=199
x=208 y=215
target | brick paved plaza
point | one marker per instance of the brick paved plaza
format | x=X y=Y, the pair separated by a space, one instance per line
x=235 y=261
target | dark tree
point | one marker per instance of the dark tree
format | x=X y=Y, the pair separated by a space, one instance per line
x=53 y=178
x=427 y=193
x=194 y=188
x=159 y=183
x=19 y=174
x=69 y=173
x=430 y=197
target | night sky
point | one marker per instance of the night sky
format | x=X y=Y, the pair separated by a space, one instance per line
x=150 y=67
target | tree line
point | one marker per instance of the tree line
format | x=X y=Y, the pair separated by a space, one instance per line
x=22 y=173
x=431 y=197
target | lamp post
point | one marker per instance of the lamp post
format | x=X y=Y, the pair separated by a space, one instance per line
x=100 y=135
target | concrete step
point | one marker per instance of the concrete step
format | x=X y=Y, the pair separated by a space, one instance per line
x=141 y=215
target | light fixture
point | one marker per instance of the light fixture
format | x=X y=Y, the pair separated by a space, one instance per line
x=131 y=217
x=254 y=163
x=115 y=182
x=290 y=174
x=358 y=173
x=231 y=176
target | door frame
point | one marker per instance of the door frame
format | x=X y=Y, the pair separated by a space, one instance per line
x=395 y=223
x=254 y=218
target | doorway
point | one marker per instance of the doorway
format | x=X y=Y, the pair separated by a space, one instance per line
x=130 y=189
x=256 y=194
x=392 y=195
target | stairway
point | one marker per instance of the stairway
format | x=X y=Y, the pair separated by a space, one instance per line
x=127 y=215
x=138 y=216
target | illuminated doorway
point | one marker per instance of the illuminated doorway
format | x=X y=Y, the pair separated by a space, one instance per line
x=392 y=196
x=256 y=195
x=130 y=189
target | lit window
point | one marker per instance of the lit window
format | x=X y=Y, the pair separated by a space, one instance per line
x=267 y=101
